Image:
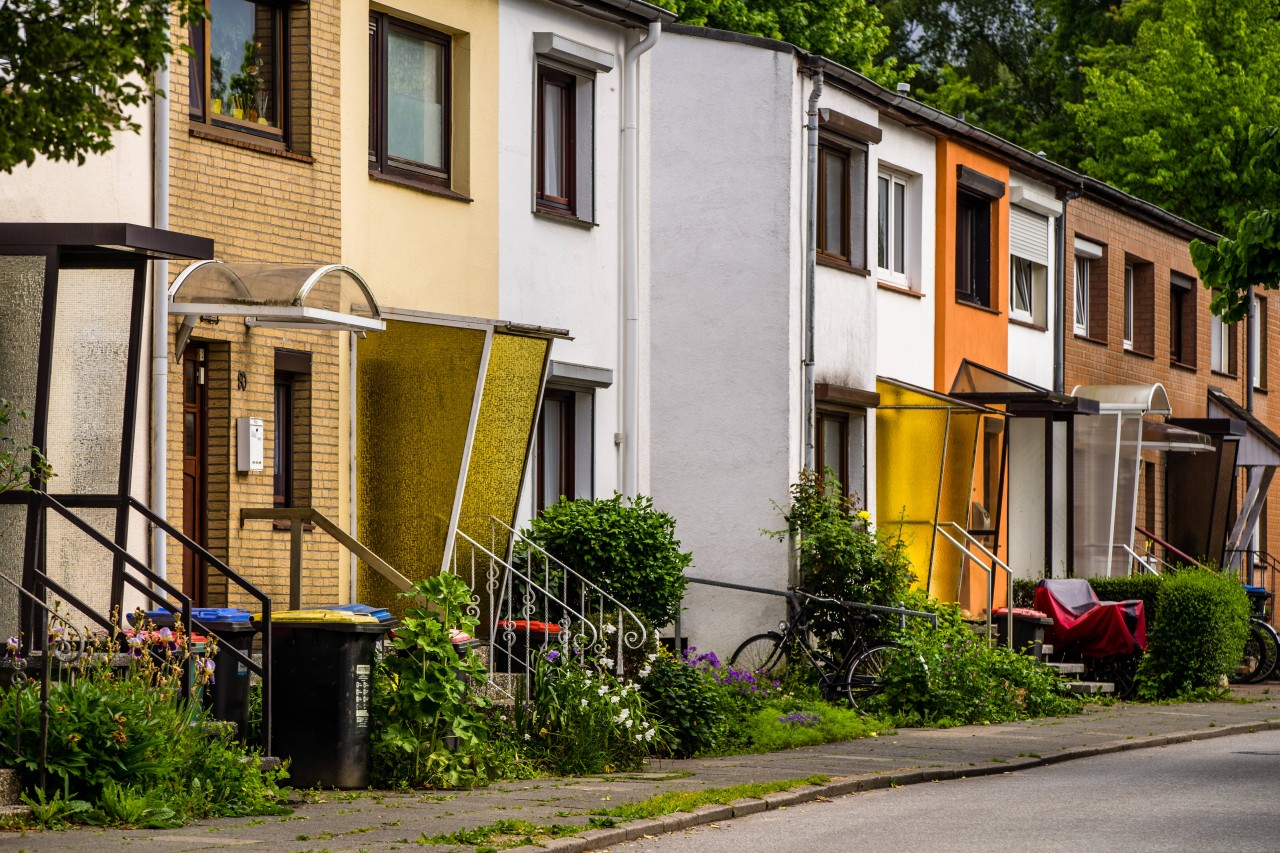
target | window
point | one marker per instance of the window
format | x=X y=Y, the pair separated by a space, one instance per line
x=841 y=446
x=841 y=204
x=1182 y=320
x=1090 y=290
x=1028 y=265
x=973 y=249
x=1082 y=295
x=1222 y=346
x=891 y=243
x=556 y=139
x=290 y=431
x=555 y=468
x=238 y=68
x=1128 y=306
x=409 y=88
x=1259 y=344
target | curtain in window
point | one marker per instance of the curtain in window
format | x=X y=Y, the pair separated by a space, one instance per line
x=834 y=188
x=553 y=171
x=1082 y=294
x=882 y=253
x=1022 y=285
x=415 y=100
x=899 y=227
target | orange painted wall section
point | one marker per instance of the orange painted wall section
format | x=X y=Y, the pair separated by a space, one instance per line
x=963 y=330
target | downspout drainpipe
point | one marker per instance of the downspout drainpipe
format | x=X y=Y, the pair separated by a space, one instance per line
x=631 y=262
x=1060 y=320
x=811 y=272
x=160 y=324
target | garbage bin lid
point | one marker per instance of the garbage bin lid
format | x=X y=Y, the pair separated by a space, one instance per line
x=320 y=617
x=379 y=613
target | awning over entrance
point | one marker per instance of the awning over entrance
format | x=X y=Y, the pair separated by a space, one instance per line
x=289 y=296
x=977 y=383
x=926 y=444
x=1259 y=454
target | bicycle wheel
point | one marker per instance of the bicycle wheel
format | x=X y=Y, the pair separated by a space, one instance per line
x=762 y=654
x=1254 y=658
x=861 y=679
x=1271 y=657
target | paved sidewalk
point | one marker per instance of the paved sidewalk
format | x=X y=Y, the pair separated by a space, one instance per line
x=380 y=821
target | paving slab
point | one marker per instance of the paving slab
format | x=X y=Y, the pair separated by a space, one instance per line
x=376 y=821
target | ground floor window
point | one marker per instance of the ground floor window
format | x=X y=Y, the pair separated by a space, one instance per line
x=842 y=446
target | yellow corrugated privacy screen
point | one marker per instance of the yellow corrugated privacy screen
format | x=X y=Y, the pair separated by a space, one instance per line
x=339 y=617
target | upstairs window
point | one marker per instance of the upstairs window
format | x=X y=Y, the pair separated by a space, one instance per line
x=238 y=69
x=1182 y=320
x=1082 y=295
x=973 y=249
x=1128 y=306
x=842 y=202
x=409 y=103
x=891 y=228
x=1222 y=340
x=1029 y=236
x=1090 y=290
x=1259 y=321
x=556 y=139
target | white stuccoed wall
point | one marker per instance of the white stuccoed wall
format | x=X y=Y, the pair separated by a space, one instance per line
x=905 y=323
x=554 y=273
x=1031 y=350
x=727 y=267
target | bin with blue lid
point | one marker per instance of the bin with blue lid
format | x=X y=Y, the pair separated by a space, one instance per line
x=323 y=691
x=228 y=695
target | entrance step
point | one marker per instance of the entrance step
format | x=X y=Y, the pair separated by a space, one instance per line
x=1067 y=668
x=1090 y=688
x=1046 y=648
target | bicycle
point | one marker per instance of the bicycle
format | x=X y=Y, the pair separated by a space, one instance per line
x=1262 y=646
x=852 y=676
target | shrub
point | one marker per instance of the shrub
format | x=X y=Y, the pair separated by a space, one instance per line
x=629 y=549
x=124 y=748
x=952 y=677
x=692 y=708
x=1142 y=587
x=1197 y=636
x=580 y=719
x=421 y=696
x=794 y=724
x=840 y=555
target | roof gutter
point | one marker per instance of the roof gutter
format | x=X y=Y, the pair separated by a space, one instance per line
x=625 y=12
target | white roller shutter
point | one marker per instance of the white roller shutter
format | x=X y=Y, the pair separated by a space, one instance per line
x=1029 y=235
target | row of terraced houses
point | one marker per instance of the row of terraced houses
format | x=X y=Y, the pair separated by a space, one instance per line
x=422 y=267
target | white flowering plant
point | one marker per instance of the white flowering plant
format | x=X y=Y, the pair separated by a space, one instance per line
x=579 y=718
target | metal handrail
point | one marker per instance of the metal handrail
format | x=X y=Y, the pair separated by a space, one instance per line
x=1167 y=547
x=298 y=516
x=790 y=594
x=502 y=585
x=633 y=638
x=1147 y=567
x=990 y=570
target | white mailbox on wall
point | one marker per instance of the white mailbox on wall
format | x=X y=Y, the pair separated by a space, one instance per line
x=249 y=444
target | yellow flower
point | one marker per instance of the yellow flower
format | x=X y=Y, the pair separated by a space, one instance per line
x=864 y=515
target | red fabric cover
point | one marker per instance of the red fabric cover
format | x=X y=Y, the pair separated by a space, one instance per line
x=534 y=626
x=1094 y=631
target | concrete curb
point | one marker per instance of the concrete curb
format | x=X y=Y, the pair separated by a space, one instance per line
x=601 y=839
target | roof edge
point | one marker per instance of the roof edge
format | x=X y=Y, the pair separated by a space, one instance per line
x=712 y=34
x=625 y=12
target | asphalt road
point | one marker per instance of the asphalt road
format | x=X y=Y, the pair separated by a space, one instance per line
x=1214 y=795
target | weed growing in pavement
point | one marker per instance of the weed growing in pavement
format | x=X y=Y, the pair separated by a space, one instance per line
x=687 y=801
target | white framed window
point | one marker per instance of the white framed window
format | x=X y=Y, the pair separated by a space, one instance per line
x=1029 y=236
x=1259 y=342
x=893 y=201
x=1087 y=254
x=1222 y=354
x=1128 y=306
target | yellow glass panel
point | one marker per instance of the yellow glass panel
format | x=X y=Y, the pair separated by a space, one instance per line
x=953 y=505
x=501 y=446
x=415 y=387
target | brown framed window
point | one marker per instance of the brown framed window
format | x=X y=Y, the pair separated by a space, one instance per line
x=1222 y=346
x=556 y=139
x=1182 y=320
x=973 y=249
x=556 y=462
x=239 y=78
x=409 y=101
x=283 y=463
x=842 y=182
x=841 y=441
x=1259 y=320
x=291 y=429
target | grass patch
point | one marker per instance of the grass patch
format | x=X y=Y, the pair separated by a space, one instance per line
x=809 y=724
x=512 y=833
x=687 y=801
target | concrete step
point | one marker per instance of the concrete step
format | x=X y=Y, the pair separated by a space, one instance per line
x=1067 y=668
x=1046 y=648
x=10 y=788
x=1091 y=688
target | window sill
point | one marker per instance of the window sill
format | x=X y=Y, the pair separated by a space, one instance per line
x=897 y=288
x=1231 y=376
x=978 y=306
x=1140 y=354
x=1027 y=324
x=843 y=266
x=565 y=218
x=244 y=140
x=1099 y=341
x=420 y=186
x=1260 y=390
x=1182 y=365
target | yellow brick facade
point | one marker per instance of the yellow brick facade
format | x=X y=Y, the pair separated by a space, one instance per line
x=266 y=207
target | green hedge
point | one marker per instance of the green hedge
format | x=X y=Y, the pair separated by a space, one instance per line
x=1196 y=633
x=1143 y=587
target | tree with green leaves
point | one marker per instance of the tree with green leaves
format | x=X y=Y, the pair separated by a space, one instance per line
x=1168 y=116
x=1252 y=256
x=851 y=32
x=71 y=71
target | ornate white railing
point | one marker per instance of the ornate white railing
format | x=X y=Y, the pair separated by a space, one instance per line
x=530 y=602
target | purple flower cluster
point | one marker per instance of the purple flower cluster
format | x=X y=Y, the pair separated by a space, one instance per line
x=747 y=683
x=800 y=719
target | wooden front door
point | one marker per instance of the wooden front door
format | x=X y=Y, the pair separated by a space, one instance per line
x=195 y=468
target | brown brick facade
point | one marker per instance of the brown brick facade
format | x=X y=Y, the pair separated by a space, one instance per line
x=1157 y=256
x=274 y=207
